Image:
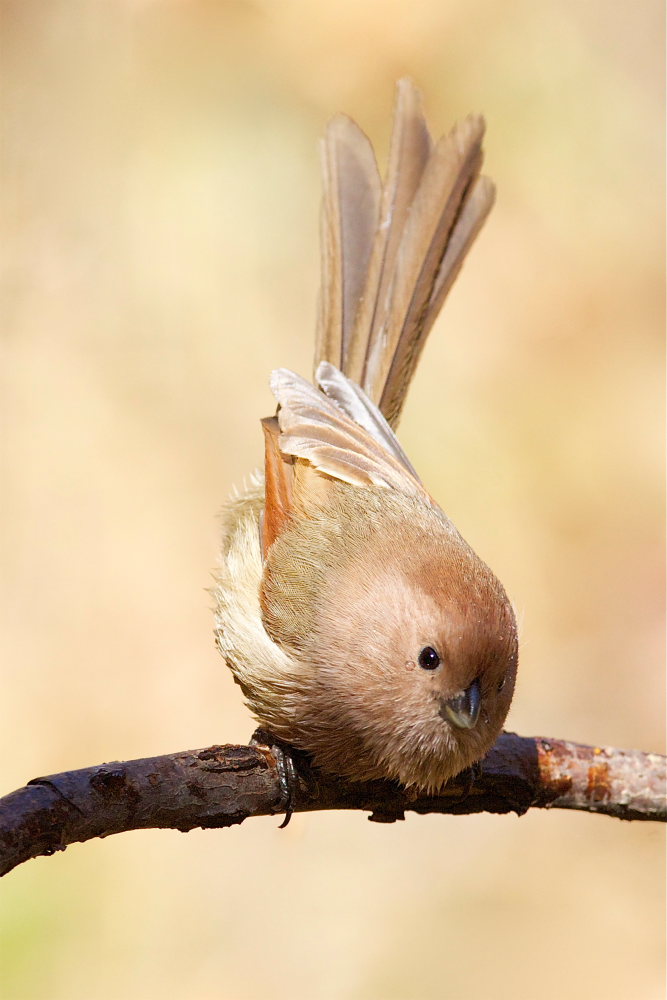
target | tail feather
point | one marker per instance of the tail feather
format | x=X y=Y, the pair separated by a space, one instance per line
x=411 y=147
x=391 y=252
x=350 y=208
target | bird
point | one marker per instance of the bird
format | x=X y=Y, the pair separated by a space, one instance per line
x=363 y=630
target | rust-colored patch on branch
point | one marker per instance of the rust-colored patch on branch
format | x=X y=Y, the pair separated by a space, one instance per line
x=553 y=760
x=598 y=788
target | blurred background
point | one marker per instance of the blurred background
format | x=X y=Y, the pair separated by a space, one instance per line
x=160 y=195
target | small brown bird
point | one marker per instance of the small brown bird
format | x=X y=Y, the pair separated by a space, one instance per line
x=360 y=625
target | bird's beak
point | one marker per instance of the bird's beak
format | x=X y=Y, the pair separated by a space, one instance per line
x=463 y=709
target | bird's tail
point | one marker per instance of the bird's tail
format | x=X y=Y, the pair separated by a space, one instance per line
x=391 y=251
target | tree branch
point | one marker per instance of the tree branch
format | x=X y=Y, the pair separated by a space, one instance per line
x=223 y=785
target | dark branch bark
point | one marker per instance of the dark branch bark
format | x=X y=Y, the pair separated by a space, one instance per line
x=223 y=785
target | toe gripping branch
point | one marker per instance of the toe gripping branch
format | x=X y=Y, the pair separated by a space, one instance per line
x=290 y=773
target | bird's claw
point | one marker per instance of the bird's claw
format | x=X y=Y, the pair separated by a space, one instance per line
x=287 y=774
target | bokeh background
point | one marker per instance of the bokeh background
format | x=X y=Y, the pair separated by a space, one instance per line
x=160 y=190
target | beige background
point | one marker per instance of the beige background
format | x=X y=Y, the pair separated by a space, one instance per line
x=160 y=194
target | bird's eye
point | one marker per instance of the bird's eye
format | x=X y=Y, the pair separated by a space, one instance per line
x=428 y=658
x=501 y=683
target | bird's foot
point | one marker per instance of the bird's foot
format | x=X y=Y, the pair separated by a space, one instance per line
x=467 y=778
x=288 y=778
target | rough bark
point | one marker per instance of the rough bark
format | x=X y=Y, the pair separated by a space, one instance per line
x=223 y=785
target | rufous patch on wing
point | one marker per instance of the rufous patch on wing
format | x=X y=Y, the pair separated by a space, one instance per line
x=279 y=477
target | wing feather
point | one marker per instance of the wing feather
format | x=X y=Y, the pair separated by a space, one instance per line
x=317 y=429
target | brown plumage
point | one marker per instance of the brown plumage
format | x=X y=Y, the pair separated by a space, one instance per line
x=359 y=623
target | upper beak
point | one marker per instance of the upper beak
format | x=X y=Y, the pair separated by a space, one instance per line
x=463 y=709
